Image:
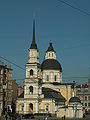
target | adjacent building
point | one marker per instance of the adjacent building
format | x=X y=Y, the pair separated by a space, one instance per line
x=9 y=90
x=5 y=88
x=44 y=90
x=16 y=91
x=83 y=92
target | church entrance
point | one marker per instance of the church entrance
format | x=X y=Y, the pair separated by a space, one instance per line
x=31 y=108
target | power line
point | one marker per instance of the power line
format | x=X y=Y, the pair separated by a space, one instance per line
x=66 y=77
x=78 y=9
x=84 y=77
x=12 y=63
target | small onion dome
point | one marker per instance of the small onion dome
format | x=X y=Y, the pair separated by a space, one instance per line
x=51 y=64
x=50 y=48
x=74 y=99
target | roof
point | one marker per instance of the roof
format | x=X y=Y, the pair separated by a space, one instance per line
x=82 y=86
x=49 y=93
x=21 y=96
x=74 y=99
x=50 y=48
x=56 y=83
x=51 y=64
x=33 y=44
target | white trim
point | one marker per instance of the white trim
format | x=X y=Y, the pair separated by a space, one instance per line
x=51 y=76
x=36 y=106
x=24 y=107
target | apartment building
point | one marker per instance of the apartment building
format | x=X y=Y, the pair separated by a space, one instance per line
x=16 y=91
x=83 y=92
x=5 y=88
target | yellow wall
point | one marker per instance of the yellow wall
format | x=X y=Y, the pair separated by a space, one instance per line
x=43 y=105
x=66 y=92
x=19 y=102
x=53 y=72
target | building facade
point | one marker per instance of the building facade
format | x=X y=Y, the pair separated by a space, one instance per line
x=5 y=88
x=16 y=91
x=83 y=92
x=44 y=90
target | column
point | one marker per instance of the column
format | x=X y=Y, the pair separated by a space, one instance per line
x=51 y=77
x=25 y=110
x=36 y=106
x=43 y=77
x=53 y=106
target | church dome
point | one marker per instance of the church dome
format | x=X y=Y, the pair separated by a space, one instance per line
x=51 y=64
x=74 y=99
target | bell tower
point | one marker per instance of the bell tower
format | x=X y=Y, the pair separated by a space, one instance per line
x=33 y=77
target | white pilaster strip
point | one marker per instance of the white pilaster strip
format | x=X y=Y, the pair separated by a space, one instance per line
x=36 y=106
x=25 y=107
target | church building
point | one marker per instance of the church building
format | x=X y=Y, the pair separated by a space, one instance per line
x=44 y=90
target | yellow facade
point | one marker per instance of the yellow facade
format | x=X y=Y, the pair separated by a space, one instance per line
x=69 y=112
x=42 y=107
x=48 y=76
x=52 y=74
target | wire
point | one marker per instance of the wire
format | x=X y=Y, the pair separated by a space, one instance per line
x=75 y=77
x=78 y=9
x=71 y=77
x=12 y=63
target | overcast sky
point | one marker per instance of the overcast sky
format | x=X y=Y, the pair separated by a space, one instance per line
x=67 y=28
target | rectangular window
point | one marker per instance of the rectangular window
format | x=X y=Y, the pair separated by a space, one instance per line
x=55 y=78
x=47 y=78
x=85 y=104
x=88 y=97
x=88 y=104
x=85 y=97
x=82 y=103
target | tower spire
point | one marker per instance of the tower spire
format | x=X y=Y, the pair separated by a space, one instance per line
x=33 y=44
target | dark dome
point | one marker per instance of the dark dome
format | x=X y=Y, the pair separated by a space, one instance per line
x=75 y=99
x=51 y=64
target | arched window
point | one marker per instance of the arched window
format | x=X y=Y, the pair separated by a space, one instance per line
x=31 y=89
x=31 y=107
x=31 y=72
x=47 y=107
x=22 y=107
x=49 y=54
